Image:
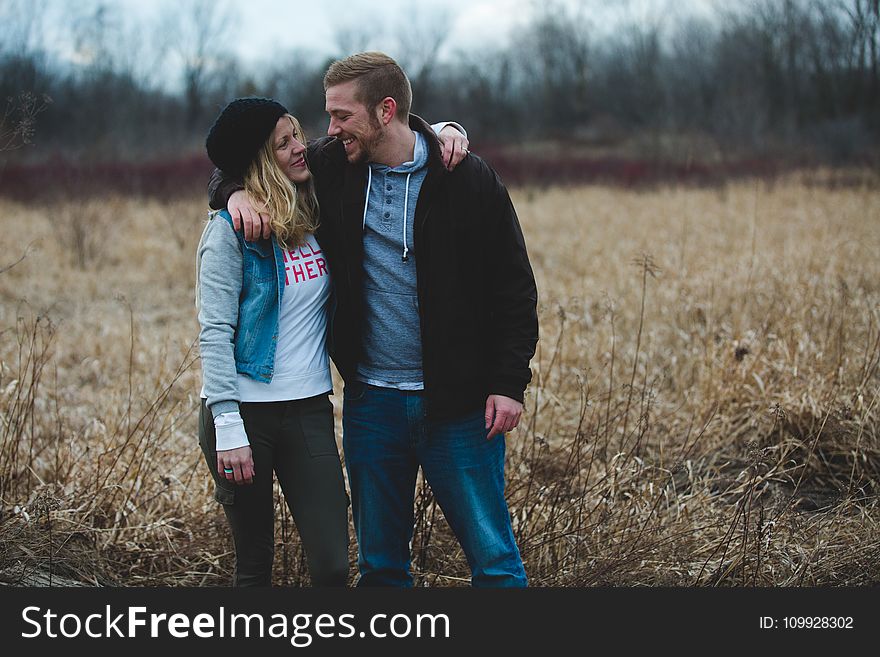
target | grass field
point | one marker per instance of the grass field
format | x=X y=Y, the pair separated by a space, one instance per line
x=703 y=409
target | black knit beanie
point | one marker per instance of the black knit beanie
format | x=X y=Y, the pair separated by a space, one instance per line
x=240 y=131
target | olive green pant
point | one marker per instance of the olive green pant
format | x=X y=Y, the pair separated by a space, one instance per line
x=295 y=439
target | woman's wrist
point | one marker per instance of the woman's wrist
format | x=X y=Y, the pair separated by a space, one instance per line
x=230 y=432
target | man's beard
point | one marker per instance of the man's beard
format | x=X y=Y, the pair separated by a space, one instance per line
x=370 y=144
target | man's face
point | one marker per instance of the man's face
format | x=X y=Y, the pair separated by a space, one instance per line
x=350 y=121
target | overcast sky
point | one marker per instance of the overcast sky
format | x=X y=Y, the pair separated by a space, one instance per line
x=139 y=30
x=471 y=23
x=266 y=26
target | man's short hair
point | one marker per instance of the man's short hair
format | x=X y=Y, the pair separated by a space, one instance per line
x=378 y=77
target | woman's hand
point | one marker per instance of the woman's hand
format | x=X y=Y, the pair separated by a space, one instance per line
x=454 y=146
x=236 y=465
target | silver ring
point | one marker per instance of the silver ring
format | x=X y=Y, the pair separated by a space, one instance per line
x=228 y=471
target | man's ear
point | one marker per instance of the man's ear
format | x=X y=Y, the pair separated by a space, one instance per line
x=387 y=110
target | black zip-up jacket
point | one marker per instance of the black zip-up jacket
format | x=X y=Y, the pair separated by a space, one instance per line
x=476 y=290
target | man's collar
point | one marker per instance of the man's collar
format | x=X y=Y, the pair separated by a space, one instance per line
x=435 y=159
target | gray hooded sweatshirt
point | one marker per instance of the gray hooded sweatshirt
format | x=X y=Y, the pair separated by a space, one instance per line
x=392 y=346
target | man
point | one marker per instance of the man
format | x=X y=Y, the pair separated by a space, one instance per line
x=434 y=326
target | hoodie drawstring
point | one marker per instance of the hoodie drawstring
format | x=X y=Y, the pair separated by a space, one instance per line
x=405 y=257
x=405 y=202
x=367 y=200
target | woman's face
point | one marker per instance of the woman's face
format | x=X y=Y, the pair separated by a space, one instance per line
x=290 y=151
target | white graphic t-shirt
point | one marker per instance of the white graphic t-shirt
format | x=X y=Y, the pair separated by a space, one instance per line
x=302 y=367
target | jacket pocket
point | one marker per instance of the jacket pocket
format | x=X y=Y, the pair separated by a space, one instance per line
x=354 y=391
x=224 y=491
x=316 y=422
x=261 y=265
x=260 y=257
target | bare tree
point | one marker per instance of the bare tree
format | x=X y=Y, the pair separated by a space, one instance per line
x=94 y=28
x=198 y=34
x=420 y=36
x=21 y=25
x=357 y=35
x=864 y=18
x=554 y=55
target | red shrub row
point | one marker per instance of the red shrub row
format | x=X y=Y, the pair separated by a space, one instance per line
x=517 y=169
x=59 y=177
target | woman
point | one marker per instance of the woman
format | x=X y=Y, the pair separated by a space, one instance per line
x=266 y=373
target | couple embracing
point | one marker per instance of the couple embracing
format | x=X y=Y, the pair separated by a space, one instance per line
x=392 y=248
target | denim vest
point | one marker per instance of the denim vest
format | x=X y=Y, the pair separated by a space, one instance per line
x=262 y=284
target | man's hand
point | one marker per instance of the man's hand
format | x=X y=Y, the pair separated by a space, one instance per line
x=502 y=414
x=255 y=225
x=240 y=461
x=454 y=146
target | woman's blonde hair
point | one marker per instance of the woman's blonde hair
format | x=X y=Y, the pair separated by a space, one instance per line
x=292 y=208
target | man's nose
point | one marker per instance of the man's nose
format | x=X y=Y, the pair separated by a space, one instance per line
x=333 y=129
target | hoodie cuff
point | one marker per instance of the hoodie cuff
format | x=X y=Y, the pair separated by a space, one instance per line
x=219 y=408
x=437 y=127
x=230 y=433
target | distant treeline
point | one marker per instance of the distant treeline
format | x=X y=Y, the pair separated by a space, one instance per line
x=763 y=79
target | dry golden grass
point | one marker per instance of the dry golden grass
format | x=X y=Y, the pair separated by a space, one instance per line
x=704 y=407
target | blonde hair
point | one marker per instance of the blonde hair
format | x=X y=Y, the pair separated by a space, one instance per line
x=378 y=77
x=292 y=208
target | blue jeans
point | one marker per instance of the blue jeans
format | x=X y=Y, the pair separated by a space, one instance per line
x=386 y=437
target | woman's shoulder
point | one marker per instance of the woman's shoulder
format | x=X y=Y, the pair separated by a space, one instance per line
x=221 y=218
x=220 y=214
x=219 y=229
